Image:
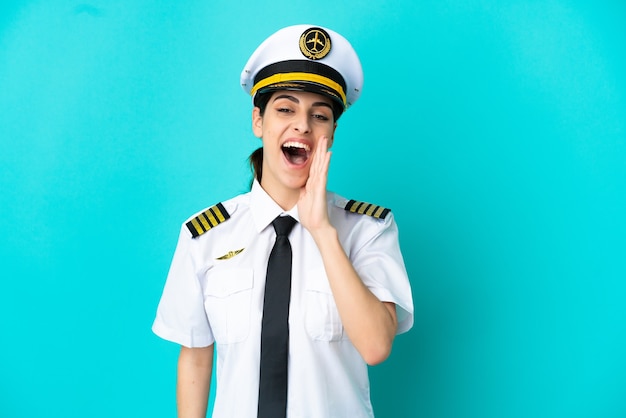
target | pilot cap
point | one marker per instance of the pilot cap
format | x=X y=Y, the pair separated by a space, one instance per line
x=306 y=58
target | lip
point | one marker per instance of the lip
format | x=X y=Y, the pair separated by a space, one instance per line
x=302 y=141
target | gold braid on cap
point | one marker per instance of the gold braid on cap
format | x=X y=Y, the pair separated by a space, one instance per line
x=303 y=71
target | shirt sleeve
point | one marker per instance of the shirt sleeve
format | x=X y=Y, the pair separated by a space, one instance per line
x=379 y=263
x=180 y=316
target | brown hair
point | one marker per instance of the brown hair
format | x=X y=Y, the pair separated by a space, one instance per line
x=256 y=163
x=256 y=158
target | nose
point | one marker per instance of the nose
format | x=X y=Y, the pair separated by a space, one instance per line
x=301 y=123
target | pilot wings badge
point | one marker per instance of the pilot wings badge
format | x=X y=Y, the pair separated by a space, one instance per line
x=229 y=254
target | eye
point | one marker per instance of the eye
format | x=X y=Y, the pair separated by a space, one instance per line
x=283 y=109
x=321 y=116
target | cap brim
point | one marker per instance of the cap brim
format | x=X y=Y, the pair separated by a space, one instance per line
x=303 y=86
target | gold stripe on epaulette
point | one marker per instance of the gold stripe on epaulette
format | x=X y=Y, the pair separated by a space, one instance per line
x=208 y=219
x=363 y=208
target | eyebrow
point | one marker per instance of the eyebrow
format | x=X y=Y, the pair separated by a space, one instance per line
x=295 y=100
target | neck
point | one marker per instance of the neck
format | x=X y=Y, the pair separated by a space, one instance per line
x=284 y=197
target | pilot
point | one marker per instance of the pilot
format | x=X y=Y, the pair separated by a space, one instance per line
x=295 y=289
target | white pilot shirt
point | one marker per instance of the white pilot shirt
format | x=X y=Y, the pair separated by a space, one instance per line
x=210 y=300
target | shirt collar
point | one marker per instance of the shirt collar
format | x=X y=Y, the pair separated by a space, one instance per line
x=263 y=208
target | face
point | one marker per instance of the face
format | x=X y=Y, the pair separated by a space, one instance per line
x=291 y=128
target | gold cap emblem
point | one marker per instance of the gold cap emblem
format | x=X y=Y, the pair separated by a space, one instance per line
x=315 y=43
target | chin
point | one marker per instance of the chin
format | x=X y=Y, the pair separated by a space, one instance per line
x=296 y=182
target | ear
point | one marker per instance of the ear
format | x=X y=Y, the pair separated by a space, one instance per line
x=257 y=122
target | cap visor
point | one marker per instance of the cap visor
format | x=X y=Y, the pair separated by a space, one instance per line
x=303 y=86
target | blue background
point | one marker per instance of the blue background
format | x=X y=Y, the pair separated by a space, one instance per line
x=495 y=130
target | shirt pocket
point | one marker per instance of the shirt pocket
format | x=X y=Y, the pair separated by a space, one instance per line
x=227 y=302
x=321 y=317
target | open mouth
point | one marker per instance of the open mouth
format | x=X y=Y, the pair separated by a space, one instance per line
x=296 y=152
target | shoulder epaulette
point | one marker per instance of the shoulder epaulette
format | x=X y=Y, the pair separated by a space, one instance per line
x=364 y=208
x=208 y=219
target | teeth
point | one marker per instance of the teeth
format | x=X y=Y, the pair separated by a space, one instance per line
x=293 y=144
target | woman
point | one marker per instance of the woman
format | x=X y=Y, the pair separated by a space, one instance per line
x=347 y=290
